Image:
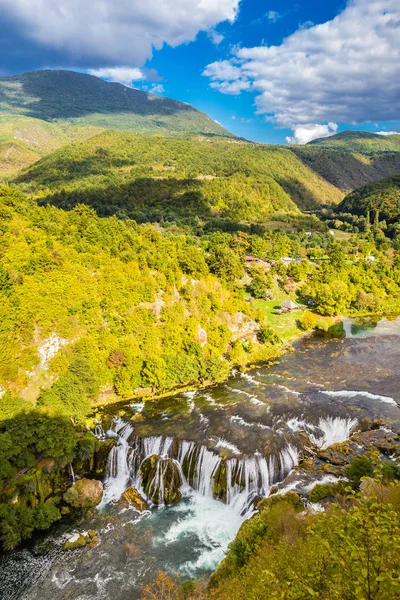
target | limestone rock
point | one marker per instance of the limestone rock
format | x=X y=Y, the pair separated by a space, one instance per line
x=80 y=540
x=85 y=493
x=132 y=496
x=161 y=480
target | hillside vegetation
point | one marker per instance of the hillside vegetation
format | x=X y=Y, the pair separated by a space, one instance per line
x=66 y=96
x=149 y=178
x=380 y=200
x=24 y=140
x=362 y=142
x=347 y=169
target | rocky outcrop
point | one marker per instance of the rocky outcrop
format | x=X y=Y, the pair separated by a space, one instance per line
x=84 y=494
x=134 y=498
x=80 y=540
x=161 y=480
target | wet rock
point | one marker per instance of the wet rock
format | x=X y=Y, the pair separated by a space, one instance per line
x=84 y=494
x=80 y=540
x=134 y=498
x=101 y=456
x=382 y=440
x=220 y=482
x=367 y=424
x=338 y=454
x=161 y=480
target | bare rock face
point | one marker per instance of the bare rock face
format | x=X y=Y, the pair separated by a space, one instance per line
x=132 y=496
x=85 y=493
x=201 y=336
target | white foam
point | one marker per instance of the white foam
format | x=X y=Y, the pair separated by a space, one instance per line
x=224 y=444
x=335 y=431
x=354 y=394
x=250 y=378
x=214 y=524
x=243 y=423
x=298 y=425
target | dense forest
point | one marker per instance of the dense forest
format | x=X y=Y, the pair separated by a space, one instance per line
x=125 y=172
x=363 y=142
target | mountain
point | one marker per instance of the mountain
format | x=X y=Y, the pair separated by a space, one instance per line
x=347 y=169
x=151 y=178
x=24 y=140
x=81 y=99
x=360 y=141
x=382 y=197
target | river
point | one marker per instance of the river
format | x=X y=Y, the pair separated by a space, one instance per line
x=251 y=425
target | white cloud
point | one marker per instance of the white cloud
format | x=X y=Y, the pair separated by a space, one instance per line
x=215 y=37
x=346 y=70
x=117 y=31
x=387 y=133
x=125 y=75
x=157 y=89
x=306 y=133
x=272 y=16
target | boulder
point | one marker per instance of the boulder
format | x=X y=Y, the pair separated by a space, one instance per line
x=161 y=480
x=101 y=456
x=85 y=493
x=134 y=498
x=80 y=540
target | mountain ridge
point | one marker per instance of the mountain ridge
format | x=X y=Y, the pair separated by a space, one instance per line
x=70 y=96
x=359 y=141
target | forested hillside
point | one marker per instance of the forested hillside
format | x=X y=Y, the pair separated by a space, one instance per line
x=347 y=169
x=81 y=99
x=379 y=200
x=127 y=306
x=151 y=178
x=24 y=140
x=362 y=142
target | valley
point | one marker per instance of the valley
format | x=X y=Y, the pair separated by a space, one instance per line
x=199 y=343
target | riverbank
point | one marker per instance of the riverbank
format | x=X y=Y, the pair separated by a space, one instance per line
x=259 y=424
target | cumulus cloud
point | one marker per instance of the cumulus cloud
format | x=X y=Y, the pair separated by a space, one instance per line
x=117 y=31
x=125 y=75
x=387 y=133
x=272 y=16
x=306 y=133
x=345 y=70
x=157 y=89
x=215 y=37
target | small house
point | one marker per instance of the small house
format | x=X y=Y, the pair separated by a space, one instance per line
x=288 y=306
x=251 y=260
x=287 y=260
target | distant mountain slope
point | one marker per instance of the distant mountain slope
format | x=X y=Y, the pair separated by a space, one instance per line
x=24 y=140
x=382 y=196
x=149 y=178
x=360 y=141
x=67 y=96
x=348 y=170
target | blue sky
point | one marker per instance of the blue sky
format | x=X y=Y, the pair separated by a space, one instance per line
x=271 y=71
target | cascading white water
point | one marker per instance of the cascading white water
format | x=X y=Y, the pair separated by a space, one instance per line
x=335 y=431
x=198 y=466
x=118 y=464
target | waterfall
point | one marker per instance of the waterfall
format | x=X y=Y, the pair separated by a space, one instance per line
x=335 y=430
x=118 y=464
x=237 y=481
x=71 y=472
